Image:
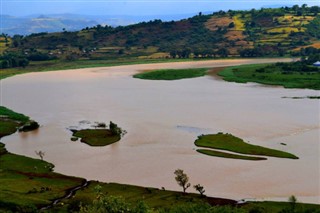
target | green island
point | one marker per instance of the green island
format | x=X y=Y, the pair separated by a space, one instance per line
x=231 y=143
x=99 y=137
x=172 y=74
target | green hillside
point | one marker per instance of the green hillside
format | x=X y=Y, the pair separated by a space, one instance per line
x=254 y=33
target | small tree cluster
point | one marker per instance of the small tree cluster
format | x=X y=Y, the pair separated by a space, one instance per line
x=183 y=181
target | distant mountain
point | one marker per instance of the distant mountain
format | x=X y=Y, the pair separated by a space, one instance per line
x=26 y=25
x=38 y=23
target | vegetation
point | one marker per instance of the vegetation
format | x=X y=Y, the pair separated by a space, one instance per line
x=172 y=74
x=254 y=33
x=101 y=136
x=155 y=200
x=7 y=113
x=231 y=143
x=11 y=121
x=182 y=179
x=28 y=184
x=200 y=189
x=288 y=75
x=228 y=155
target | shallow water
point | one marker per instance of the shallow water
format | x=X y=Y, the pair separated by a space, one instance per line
x=163 y=118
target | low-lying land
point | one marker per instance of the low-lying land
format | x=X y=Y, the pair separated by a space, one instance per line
x=273 y=74
x=10 y=121
x=172 y=74
x=231 y=143
x=28 y=184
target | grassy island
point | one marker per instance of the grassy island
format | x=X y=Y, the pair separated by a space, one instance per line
x=172 y=74
x=97 y=137
x=231 y=143
x=100 y=136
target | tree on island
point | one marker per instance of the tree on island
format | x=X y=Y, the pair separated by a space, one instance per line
x=182 y=179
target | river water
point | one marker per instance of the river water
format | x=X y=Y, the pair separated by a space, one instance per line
x=163 y=118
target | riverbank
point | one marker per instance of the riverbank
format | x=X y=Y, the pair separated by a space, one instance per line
x=54 y=65
x=151 y=111
x=272 y=75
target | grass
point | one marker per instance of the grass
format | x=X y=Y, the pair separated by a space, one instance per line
x=97 y=137
x=7 y=127
x=13 y=115
x=247 y=73
x=231 y=143
x=27 y=183
x=228 y=155
x=270 y=207
x=10 y=121
x=155 y=198
x=239 y=23
x=172 y=74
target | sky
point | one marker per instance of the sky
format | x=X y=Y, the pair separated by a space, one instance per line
x=136 y=7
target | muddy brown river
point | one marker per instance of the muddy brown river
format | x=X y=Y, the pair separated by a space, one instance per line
x=163 y=118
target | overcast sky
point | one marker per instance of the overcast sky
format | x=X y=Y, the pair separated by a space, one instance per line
x=136 y=7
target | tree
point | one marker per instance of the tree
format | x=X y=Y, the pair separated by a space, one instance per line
x=293 y=201
x=199 y=188
x=182 y=179
x=40 y=154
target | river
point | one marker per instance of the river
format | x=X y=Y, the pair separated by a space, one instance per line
x=163 y=118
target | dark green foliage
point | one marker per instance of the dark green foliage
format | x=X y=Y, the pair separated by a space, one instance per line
x=172 y=74
x=313 y=28
x=115 y=130
x=29 y=126
x=9 y=60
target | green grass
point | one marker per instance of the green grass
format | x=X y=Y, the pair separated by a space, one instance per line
x=30 y=183
x=155 y=198
x=97 y=137
x=172 y=74
x=13 y=115
x=10 y=121
x=271 y=207
x=231 y=143
x=7 y=127
x=247 y=73
x=228 y=155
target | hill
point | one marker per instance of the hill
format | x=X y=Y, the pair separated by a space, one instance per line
x=254 y=33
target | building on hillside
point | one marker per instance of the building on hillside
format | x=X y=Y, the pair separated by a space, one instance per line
x=317 y=64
